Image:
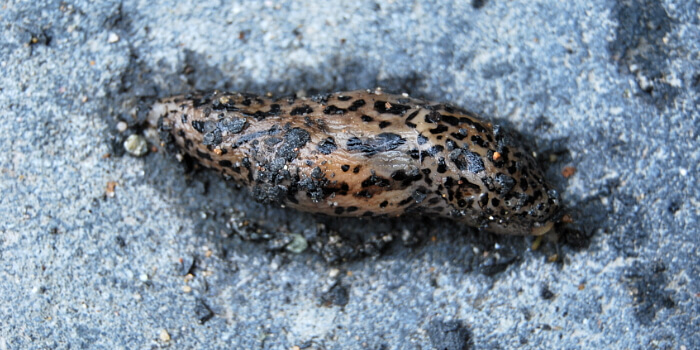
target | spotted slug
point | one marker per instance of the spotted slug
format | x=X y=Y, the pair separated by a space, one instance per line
x=362 y=154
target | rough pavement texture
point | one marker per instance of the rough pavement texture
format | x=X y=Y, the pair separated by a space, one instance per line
x=99 y=249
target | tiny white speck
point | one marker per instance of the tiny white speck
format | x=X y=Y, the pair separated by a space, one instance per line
x=143 y=277
x=683 y=171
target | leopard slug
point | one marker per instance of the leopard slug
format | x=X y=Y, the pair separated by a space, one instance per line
x=364 y=153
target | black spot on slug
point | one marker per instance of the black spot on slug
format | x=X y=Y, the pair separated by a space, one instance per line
x=477 y=140
x=442 y=167
x=391 y=108
x=419 y=194
x=433 y=117
x=275 y=109
x=200 y=102
x=327 y=146
x=398 y=175
x=363 y=194
x=305 y=109
x=432 y=151
x=450 y=120
x=438 y=130
x=334 y=110
x=374 y=180
x=321 y=98
x=421 y=139
x=523 y=183
x=483 y=199
x=460 y=135
x=356 y=105
x=198 y=125
x=203 y=155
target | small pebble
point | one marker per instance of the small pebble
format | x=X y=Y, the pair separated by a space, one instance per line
x=164 y=336
x=568 y=171
x=122 y=126
x=136 y=145
x=113 y=38
x=298 y=244
x=111 y=185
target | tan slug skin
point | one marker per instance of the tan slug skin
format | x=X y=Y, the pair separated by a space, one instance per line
x=364 y=153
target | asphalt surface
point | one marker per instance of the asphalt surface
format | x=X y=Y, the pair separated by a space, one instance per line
x=103 y=250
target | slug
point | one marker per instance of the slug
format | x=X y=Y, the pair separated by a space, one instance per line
x=362 y=154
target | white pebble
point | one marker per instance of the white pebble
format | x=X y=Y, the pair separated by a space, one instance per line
x=136 y=145
x=112 y=38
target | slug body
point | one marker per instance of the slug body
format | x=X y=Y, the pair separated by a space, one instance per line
x=364 y=153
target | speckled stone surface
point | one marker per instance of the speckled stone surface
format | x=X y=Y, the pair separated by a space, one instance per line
x=100 y=249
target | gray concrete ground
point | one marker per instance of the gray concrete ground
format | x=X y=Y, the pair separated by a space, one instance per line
x=102 y=250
